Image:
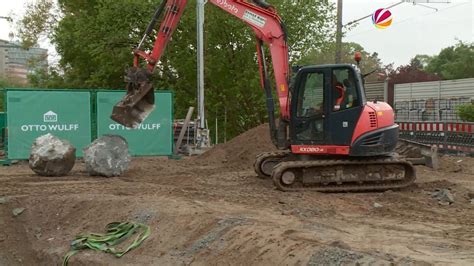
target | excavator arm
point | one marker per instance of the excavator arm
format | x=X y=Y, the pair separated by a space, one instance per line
x=268 y=28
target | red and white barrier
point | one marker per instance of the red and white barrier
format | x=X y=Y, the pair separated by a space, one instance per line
x=445 y=135
x=437 y=127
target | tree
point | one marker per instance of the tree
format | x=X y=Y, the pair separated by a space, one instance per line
x=412 y=72
x=37 y=22
x=94 y=40
x=325 y=55
x=3 y=84
x=422 y=60
x=466 y=112
x=8 y=82
x=454 y=62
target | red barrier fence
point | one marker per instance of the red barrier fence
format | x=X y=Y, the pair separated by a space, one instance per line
x=448 y=136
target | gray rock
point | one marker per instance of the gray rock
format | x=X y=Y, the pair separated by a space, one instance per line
x=377 y=205
x=3 y=200
x=444 y=203
x=18 y=211
x=443 y=196
x=107 y=156
x=472 y=201
x=51 y=156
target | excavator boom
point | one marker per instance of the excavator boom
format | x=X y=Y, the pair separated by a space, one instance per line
x=259 y=15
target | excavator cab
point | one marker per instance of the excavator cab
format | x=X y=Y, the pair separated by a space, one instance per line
x=330 y=113
x=329 y=98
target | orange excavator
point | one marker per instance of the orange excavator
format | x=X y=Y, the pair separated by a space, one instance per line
x=329 y=137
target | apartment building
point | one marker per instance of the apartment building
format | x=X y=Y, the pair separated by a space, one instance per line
x=16 y=63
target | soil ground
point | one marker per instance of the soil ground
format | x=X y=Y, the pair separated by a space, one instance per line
x=213 y=210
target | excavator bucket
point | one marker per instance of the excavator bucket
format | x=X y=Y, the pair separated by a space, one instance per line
x=139 y=101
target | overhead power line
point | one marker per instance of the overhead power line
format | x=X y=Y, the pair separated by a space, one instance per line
x=368 y=16
x=414 y=2
x=411 y=18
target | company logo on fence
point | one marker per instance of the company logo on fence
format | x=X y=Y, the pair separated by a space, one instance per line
x=382 y=18
x=50 y=117
x=139 y=127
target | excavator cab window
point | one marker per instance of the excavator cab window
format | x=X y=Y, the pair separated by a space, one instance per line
x=311 y=95
x=310 y=109
x=344 y=89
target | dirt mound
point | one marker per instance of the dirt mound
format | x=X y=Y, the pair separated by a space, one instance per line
x=454 y=164
x=241 y=150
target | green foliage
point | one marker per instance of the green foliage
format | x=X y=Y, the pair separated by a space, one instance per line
x=8 y=83
x=3 y=84
x=421 y=61
x=48 y=78
x=36 y=22
x=466 y=112
x=94 y=40
x=454 y=62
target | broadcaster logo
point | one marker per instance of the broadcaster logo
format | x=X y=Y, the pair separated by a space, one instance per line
x=382 y=18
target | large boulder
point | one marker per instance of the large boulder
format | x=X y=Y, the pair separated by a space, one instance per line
x=51 y=156
x=107 y=156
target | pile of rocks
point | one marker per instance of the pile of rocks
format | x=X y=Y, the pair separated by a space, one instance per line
x=107 y=156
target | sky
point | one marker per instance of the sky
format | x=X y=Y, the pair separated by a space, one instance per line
x=7 y=8
x=415 y=29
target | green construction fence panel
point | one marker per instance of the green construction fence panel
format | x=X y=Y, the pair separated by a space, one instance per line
x=33 y=113
x=2 y=121
x=152 y=137
x=2 y=127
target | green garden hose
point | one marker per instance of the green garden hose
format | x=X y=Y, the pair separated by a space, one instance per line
x=116 y=234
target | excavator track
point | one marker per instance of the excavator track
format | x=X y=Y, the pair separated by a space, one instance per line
x=348 y=175
x=265 y=162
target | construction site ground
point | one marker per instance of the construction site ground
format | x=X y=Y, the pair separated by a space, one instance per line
x=213 y=210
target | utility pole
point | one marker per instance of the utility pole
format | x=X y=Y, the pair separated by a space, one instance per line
x=203 y=132
x=339 y=32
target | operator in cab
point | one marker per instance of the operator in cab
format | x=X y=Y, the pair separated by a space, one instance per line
x=345 y=93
